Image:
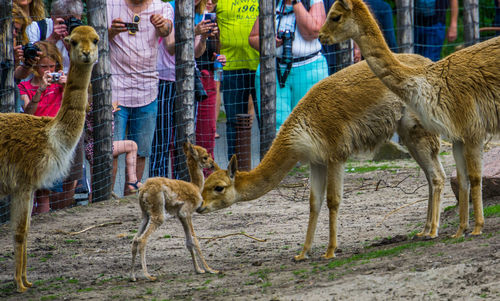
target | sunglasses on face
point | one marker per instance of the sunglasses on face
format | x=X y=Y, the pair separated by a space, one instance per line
x=133 y=27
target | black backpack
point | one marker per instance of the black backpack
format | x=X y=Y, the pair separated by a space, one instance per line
x=42 y=25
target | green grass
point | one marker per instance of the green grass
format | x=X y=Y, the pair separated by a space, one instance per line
x=450 y=208
x=379 y=253
x=368 y=168
x=492 y=211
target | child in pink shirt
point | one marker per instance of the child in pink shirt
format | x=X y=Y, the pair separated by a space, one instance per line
x=42 y=95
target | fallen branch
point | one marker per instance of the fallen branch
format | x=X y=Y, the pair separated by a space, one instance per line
x=86 y=229
x=227 y=235
x=397 y=209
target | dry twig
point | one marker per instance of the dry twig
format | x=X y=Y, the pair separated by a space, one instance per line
x=397 y=209
x=88 y=228
x=226 y=235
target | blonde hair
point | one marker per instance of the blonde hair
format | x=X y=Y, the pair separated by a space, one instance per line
x=200 y=8
x=20 y=17
x=36 y=10
x=49 y=50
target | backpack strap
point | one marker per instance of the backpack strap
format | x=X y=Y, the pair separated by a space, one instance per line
x=42 y=25
x=306 y=3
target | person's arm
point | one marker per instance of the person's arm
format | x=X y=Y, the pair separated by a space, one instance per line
x=201 y=33
x=309 y=22
x=117 y=27
x=169 y=42
x=162 y=25
x=451 y=35
x=253 y=38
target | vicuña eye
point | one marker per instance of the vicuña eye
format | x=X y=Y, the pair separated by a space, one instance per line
x=219 y=188
x=74 y=43
x=336 y=18
x=96 y=41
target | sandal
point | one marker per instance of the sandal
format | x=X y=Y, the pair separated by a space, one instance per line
x=134 y=185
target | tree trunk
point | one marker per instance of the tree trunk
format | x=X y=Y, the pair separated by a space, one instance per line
x=267 y=42
x=102 y=108
x=405 y=25
x=184 y=74
x=471 y=22
x=7 y=88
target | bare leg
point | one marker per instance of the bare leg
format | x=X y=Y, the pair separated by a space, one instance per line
x=217 y=103
x=317 y=194
x=129 y=148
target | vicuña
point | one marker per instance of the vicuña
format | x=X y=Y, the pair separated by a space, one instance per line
x=37 y=151
x=458 y=96
x=346 y=113
x=159 y=196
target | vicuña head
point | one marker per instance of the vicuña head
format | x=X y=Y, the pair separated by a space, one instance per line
x=83 y=41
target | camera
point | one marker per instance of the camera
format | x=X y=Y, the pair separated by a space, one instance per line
x=30 y=51
x=287 y=37
x=55 y=76
x=72 y=23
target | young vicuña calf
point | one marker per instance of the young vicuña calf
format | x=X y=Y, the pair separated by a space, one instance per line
x=179 y=198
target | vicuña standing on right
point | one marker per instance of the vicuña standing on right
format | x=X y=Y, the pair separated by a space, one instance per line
x=458 y=96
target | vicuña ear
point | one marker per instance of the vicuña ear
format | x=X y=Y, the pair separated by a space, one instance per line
x=232 y=167
x=346 y=4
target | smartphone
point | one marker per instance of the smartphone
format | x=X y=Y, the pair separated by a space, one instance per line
x=133 y=27
x=210 y=16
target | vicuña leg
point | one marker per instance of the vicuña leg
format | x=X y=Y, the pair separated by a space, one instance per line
x=189 y=243
x=135 y=243
x=198 y=249
x=463 y=187
x=21 y=204
x=334 y=191
x=316 y=196
x=155 y=221
x=473 y=159
x=425 y=151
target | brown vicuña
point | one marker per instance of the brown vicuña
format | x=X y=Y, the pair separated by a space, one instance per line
x=346 y=113
x=159 y=196
x=457 y=96
x=37 y=151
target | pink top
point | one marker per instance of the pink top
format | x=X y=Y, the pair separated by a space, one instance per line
x=50 y=100
x=166 y=63
x=134 y=80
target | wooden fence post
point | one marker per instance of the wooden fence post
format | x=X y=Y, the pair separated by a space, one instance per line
x=404 y=15
x=184 y=74
x=267 y=31
x=7 y=96
x=102 y=167
x=471 y=22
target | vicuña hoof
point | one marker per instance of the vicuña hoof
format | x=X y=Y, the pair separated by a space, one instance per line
x=21 y=288
x=152 y=278
x=300 y=257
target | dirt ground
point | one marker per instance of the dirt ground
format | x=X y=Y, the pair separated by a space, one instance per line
x=377 y=258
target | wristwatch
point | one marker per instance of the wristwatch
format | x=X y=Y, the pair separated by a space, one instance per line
x=295 y=2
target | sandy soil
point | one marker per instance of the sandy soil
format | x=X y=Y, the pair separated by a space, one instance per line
x=376 y=260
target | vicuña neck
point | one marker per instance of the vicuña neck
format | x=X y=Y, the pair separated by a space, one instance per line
x=71 y=115
x=275 y=165
x=378 y=55
x=196 y=173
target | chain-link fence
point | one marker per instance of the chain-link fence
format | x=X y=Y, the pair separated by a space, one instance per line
x=225 y=77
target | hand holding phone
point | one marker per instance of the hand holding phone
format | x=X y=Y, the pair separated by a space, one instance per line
x=210 y=16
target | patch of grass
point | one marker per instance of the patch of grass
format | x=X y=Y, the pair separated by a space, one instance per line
x=133 y=231
x=73 y=280
x=448 y=208
x=167 y=236
x=46 y=257
x=444 y=153
x=70 y=241
x=412 y=234
x=368 y=168
x=266 y=284
x=262 y=274
x=379 y=253
x=149 y=291
x=301 y=273
x=492 y=211
x=49 y=297
x=87 y=289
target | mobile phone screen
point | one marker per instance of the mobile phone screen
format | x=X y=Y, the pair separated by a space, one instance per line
x=210 y=16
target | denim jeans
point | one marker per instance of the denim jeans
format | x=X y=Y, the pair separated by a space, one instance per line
x=429 y=40
x=141 y=123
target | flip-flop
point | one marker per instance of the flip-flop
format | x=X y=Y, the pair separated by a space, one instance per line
x=136 y=187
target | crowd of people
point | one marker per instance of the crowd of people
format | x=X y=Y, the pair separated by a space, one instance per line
x=142 y=45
